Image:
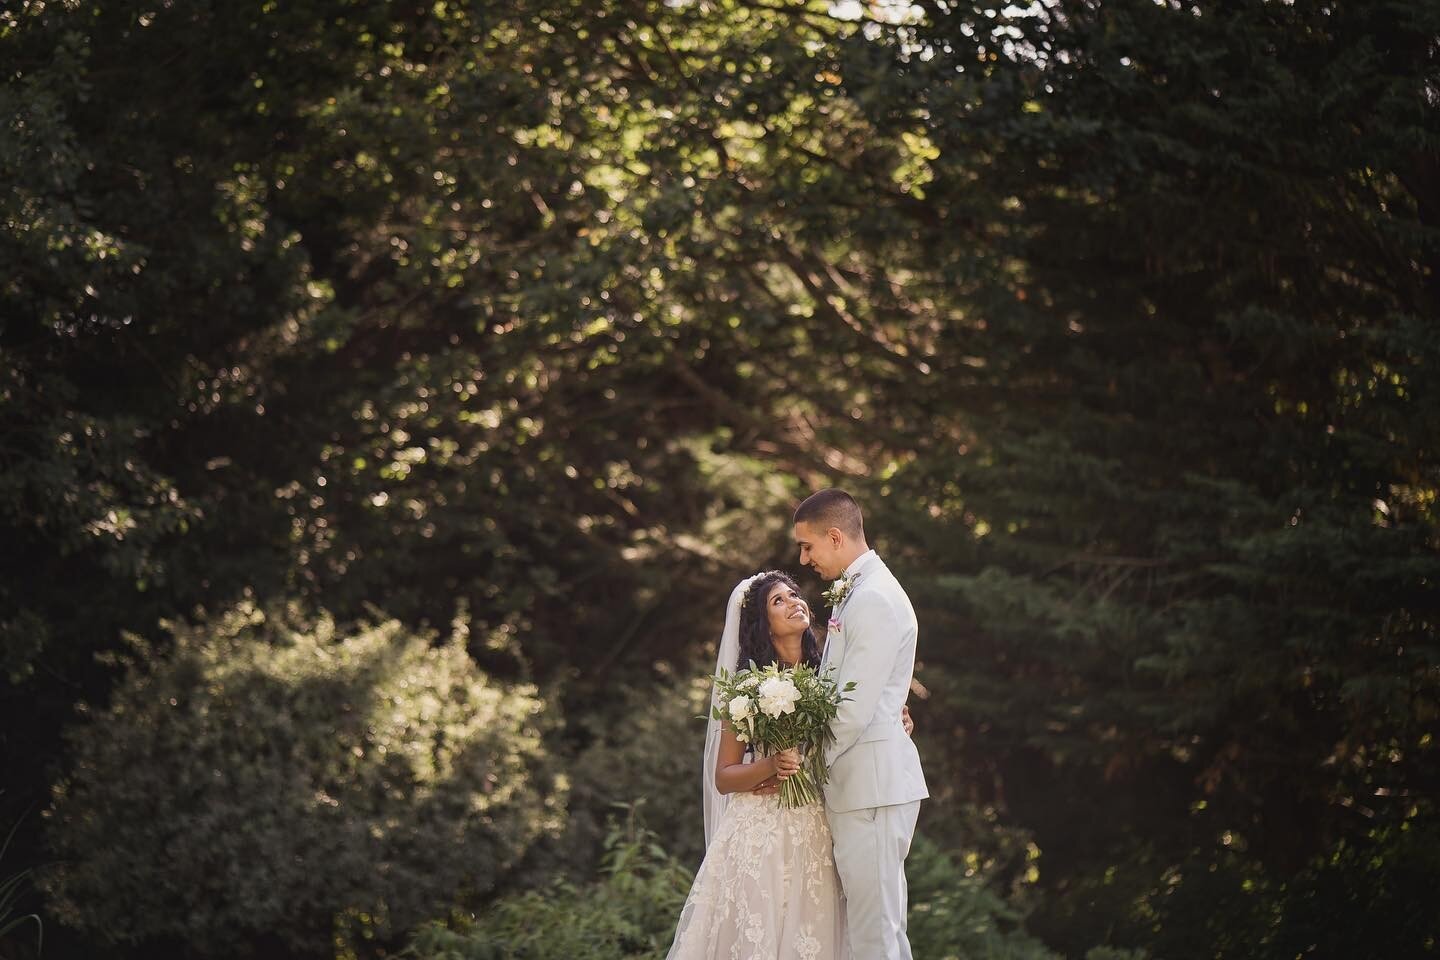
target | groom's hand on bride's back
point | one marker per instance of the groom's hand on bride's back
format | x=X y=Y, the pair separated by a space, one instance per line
x=907 y=721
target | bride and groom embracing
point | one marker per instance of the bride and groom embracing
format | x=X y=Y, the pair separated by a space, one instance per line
x=823 y=881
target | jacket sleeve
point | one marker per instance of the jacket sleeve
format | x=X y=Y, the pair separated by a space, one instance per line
x=873 y=640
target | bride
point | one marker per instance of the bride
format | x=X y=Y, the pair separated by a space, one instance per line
x=767 y=887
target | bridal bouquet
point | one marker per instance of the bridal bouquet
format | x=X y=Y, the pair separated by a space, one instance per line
x=775 y=708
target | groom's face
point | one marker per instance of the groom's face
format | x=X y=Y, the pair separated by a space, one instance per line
x=819 y=550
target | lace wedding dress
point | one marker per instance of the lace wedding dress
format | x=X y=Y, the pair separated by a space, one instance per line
x=767 y=889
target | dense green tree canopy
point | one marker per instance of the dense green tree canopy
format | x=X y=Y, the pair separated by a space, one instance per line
x=539 y=317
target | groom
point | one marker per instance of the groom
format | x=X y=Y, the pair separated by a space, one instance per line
x=876 y=784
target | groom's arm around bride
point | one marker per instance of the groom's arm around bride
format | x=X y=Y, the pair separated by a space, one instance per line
x=876 y=783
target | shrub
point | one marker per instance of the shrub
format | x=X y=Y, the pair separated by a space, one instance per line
x=953 y=915
x=630 y=912
x=264 y=780
x=1364 y=897
x=643 y=747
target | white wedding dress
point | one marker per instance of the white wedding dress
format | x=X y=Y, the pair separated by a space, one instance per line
x=767 y=889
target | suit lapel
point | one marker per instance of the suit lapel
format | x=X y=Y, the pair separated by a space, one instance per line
x=835 y=645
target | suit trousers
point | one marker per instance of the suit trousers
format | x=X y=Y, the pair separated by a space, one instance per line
x=871 y=845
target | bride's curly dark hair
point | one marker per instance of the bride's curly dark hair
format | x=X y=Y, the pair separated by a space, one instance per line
x=755 y=642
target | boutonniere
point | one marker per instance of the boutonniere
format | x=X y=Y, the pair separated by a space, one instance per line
x=839 y=590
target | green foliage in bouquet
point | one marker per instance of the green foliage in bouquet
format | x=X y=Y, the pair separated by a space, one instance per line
x=776 y=708
x=271 y=781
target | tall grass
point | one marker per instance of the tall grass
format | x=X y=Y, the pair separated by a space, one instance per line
x=12 y=889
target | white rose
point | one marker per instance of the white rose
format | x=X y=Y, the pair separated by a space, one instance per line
x=778 y=696
x=740 y=708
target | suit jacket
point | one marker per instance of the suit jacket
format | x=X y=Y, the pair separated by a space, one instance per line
x=872 y=761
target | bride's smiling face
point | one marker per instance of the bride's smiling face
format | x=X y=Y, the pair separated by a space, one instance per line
x=786 y=611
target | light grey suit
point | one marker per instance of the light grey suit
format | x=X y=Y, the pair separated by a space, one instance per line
x=876 y=784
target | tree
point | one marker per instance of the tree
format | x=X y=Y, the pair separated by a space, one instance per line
x=1116 y=316
x=1189 y=448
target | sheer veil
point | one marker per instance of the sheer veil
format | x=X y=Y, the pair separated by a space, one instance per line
x=725 y=658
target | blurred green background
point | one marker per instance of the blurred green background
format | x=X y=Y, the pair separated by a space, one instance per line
x=391 y=392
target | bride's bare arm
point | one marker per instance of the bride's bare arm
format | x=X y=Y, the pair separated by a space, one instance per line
x=734 y=775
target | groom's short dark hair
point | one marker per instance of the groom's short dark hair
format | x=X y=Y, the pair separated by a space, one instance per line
x=832 y=508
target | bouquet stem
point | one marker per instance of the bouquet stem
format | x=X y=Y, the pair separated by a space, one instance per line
x=803 y=786
x=799 y=789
